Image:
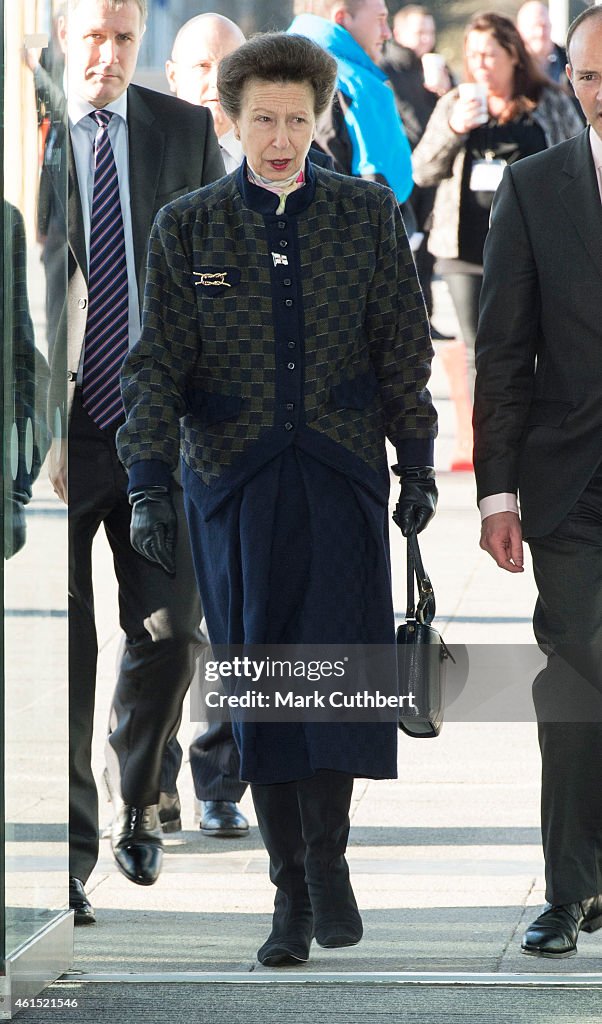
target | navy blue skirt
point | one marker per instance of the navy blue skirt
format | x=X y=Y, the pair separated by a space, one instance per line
x=298 y=555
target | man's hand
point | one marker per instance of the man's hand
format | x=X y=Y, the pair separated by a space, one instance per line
x=153 y=527
x=58 y=470
x=502 y=538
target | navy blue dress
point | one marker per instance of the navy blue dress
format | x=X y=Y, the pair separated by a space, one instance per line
x=299 y=554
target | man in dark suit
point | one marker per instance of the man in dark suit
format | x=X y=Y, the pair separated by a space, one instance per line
x=131 y=152
x=538 y=432
x=200 y=45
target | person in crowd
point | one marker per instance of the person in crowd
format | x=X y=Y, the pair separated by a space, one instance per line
x=414 y=36
x=198 y=48
x=534 y=24
x=275 y=354
x=538 y=432
x=513 y=111
x=361 y=129
x=130 y=151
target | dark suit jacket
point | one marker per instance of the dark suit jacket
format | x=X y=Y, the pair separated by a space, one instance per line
x=538 y=407
x=172 y=150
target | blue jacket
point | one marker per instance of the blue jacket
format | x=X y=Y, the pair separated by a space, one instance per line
x=379 y=142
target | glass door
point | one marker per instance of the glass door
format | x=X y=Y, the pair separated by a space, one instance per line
x=33 y=676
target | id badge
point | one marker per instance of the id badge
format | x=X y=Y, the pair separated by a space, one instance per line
x=486 y=175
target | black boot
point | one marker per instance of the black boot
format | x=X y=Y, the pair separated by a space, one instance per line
x=324 y=802
x=279 y=822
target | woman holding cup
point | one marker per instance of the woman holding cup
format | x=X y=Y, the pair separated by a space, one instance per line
x=505 y=110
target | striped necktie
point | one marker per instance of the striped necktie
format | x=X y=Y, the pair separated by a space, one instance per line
x=106 y=341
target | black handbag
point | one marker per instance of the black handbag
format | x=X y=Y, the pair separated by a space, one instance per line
x=421 y=656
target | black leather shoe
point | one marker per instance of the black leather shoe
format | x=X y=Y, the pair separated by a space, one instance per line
x=222 y=819
x=554 y=933
x=170 y=812
x=83 y=911
x=136 y=843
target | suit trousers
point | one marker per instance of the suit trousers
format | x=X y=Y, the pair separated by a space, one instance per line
x=159 y=615
x=213 y=754
x=568 y=698
x=214 y=763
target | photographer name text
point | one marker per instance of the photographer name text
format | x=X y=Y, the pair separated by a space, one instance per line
x=291 y=699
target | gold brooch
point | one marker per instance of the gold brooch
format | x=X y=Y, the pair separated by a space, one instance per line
x=212 y=279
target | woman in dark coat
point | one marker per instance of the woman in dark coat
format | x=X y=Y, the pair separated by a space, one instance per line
x=284 y=335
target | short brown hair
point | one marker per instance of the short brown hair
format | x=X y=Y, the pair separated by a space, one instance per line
x=116 y=5
x=589 y=12
x=276 y=57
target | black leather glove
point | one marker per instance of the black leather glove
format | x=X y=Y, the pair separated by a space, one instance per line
x=418 y=498
x=16 y=527
x=154 y=526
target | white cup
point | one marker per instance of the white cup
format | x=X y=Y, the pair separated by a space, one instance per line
x=433 y=68
x=475 y=91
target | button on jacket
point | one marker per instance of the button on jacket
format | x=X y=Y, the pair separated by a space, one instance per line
x=231 y=290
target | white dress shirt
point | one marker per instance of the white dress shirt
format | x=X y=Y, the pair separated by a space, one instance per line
x=231 y=148
x=83 y=131
x=596 y=144
x=508 y=502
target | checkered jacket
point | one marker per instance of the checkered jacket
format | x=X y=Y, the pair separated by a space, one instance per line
x=262 y=330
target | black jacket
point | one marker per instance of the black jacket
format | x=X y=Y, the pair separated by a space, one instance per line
x=414 y=103
x=538 y=414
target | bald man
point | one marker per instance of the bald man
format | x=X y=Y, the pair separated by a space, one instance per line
x=199 y=47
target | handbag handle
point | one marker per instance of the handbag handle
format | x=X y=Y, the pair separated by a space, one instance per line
x=424 y=611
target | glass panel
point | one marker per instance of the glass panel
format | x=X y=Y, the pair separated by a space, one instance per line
x=35 y=521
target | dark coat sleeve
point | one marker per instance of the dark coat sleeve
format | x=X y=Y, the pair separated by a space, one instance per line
x=400 y=350
x=506 y=344
x=155 y=372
